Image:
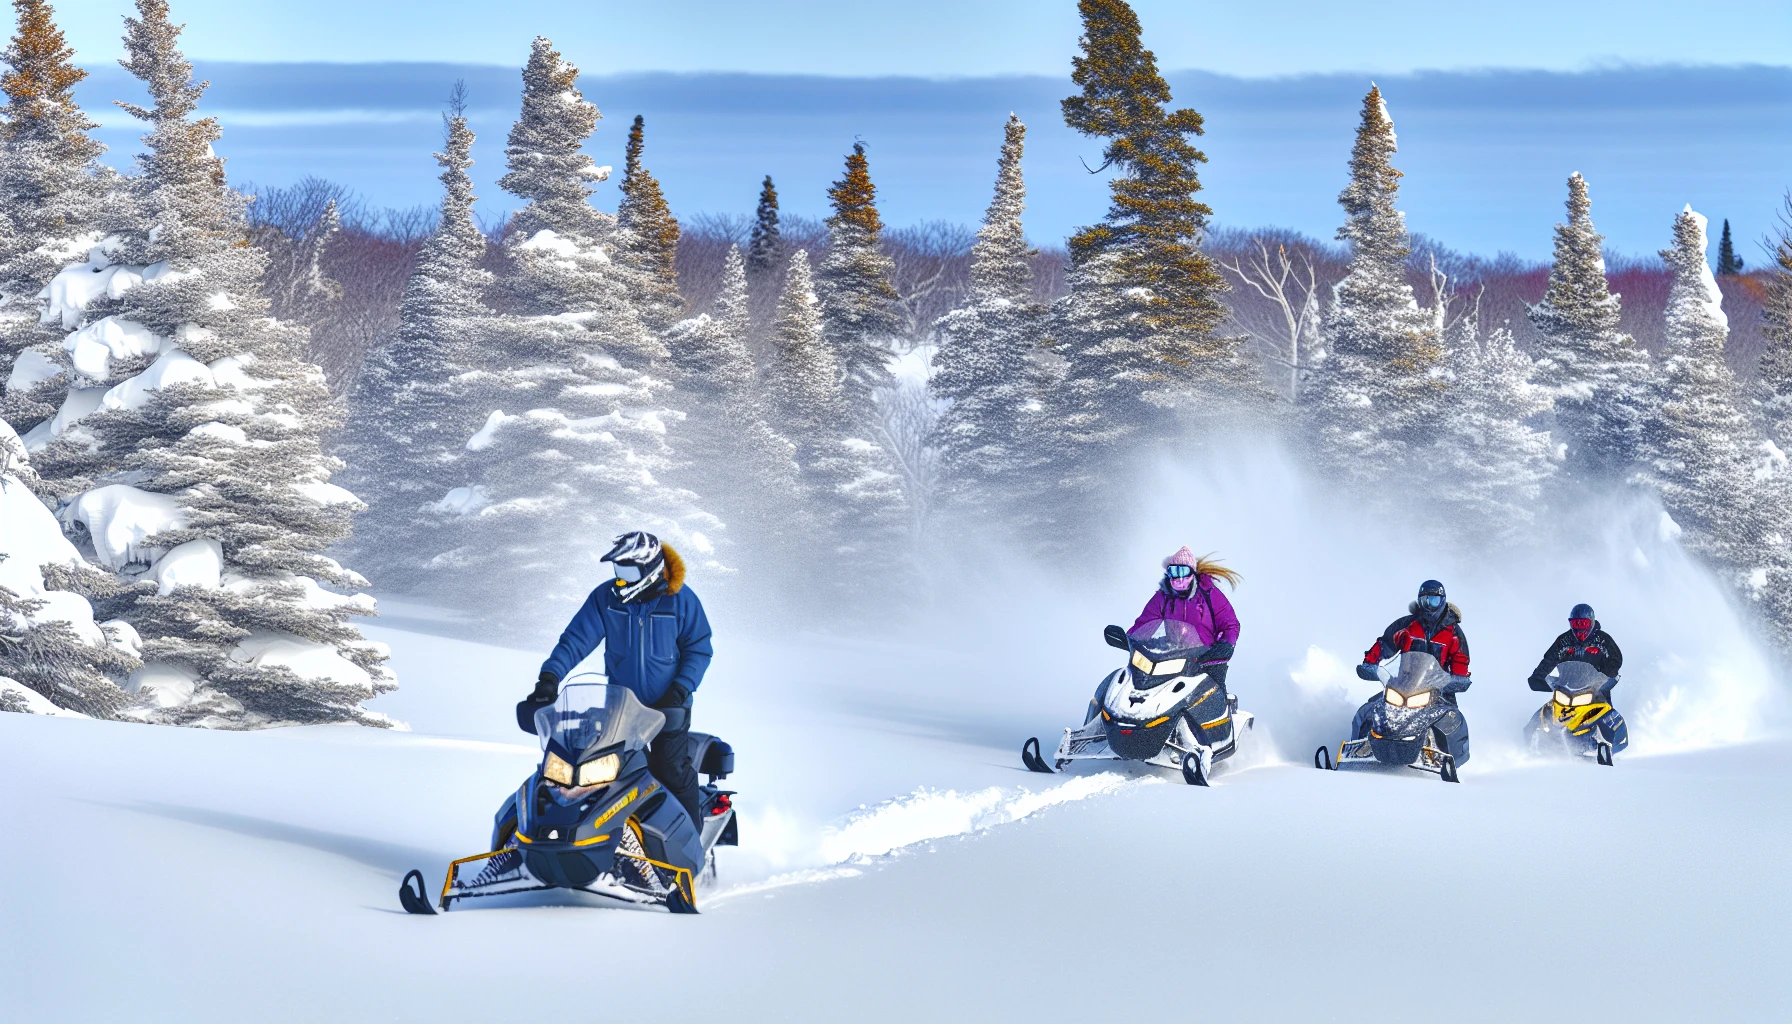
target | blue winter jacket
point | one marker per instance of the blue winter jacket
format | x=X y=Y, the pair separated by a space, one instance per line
x=648 y=645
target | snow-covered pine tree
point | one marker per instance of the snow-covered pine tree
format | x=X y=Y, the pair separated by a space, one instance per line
x=1497 y=462
x=852 y=493
x=1599 y=374
x=202 y=480
x=1374 y=401
x=418 y=398
x=49 y=643
x=1703 y=450
x=573 y=446
x=650 y=242
x=1776 y=332
x=858 y=302
x=988 y=364
x=765 y=245
x=728 y=447
x=53 y=192
x=1728 y=263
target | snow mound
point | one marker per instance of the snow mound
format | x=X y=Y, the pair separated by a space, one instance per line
x=30 y=538
x=121 y=519
x=164 y=685
x=171 y=367
x=34 y=703
x=79 y=403
x=307 y=659
x=29 y=369
x=197 y=563
x=75 y=288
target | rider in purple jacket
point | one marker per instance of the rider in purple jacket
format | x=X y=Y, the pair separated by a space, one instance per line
x=1188 y=601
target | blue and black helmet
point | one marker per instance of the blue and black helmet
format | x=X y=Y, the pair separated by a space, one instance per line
x=1431 y=596
x=1582 y=611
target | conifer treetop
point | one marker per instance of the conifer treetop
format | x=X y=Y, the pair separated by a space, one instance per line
x=764 y=243
x=643 y=212
x=40 y=85
x=1374 y=224
x=855 y=196
x=1696 y=324
x=1001 y=262
x=544 y=153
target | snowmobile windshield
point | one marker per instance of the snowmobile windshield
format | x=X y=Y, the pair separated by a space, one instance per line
x=1171 y=635
x=590 y=716
x=1578 y=677
x=1419 y=671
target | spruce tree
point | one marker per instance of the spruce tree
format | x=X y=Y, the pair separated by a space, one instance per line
x=1154 y=223
x=858 y=302
x=651 y=240
x=1600 y=375
x=988 y=365
x=765 y=245
x=1776 y=333
x=419 y=398
x=1702 y=448
x=728 y=446
x=1728 y=263
x=1497 y=462
x=1374 y=400
x=53 y=193
x=851 y=493
x=573 y=443
x=213 y=450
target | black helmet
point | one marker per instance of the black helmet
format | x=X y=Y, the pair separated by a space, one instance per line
x=1581 y=620
x=1581 y=611
x=1432 y=599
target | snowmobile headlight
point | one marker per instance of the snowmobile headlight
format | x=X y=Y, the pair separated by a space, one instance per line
x=1393 y=697
x=1563 y=698
x=1420 y=699
x=1140 y=662
x=599 y=770
x=1169 y=668
x=556 y=770
x=1583 y=700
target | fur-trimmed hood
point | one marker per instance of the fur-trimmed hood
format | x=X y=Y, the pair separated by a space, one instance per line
x=1452 y=614
x=674 y=568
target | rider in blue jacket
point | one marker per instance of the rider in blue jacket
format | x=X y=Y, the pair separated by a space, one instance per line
x=656 y=643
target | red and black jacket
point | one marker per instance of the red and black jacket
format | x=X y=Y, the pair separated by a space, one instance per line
x=1401 y=633
x=1598 y=650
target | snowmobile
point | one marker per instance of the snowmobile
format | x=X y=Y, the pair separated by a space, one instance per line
x=592 y=818
x=1415 y=723
x=1161 y=708
x=1579 y=719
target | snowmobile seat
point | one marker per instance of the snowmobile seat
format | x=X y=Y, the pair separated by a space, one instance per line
x=717 y=761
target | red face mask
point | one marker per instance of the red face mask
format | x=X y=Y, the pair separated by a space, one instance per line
x=1581 y=627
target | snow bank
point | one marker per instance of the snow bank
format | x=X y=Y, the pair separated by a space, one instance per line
x=75 y=288
x=164 y=685
x=34 y=703
x=121 y=519
x=94 y=347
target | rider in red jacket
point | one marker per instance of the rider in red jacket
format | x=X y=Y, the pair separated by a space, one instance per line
x=1432 y=618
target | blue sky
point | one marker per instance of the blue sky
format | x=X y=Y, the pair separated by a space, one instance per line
x=968 y=37
x=1485 y=151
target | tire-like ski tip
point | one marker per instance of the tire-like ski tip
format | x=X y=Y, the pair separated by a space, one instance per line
x=413 y=899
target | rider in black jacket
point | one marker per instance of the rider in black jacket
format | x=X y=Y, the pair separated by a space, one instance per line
x=1584 y=641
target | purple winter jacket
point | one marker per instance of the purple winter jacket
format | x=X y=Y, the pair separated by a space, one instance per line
x=1206 y=609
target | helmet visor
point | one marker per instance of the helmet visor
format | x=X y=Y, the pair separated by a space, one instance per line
x=626 y=573
x=1431 y=602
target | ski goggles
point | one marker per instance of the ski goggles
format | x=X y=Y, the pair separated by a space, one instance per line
x=1431 y=601
x=1179 y=572
x=626 y=573
x=1581 y=625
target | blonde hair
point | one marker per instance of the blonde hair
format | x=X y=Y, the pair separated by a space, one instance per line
x=1207 y=566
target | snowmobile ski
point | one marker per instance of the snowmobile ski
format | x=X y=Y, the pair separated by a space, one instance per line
x=412 y=894
x=1029 y=756
x=1196 y=766
x=1322 y=759
x=1604 y=756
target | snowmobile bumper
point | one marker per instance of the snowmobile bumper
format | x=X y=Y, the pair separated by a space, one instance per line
x=1396 y=753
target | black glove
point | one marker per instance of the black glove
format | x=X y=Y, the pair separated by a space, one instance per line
x=1368 y=670
x=1539 y=684
x=1221 y=651
x=676 y=696
x=547 y=690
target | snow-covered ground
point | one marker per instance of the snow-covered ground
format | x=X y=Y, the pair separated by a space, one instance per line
x=898 y=864
x=190 y=875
